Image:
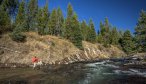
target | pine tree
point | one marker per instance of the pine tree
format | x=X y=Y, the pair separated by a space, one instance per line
x=69 y=11
x=53 y=23
x=42 y=20
x=45 y=16
x=84 y=30
x=140 y=33
x=102 y=29
x=121 y=34
x=40 y=24
x=20 y=25
x=114 y=36
x=91 y=33
x=5 y=24
x=127 y=42
x=32 y=14
x=107 y=26
x=68 y=30
x=17 y=35
x=63 y=28
x=105 y=32
x=99 y=38
x=20 y=19
x=7 y=14
x=60 y=22
x=76 y=37
x=10 y=6
x=100 y=33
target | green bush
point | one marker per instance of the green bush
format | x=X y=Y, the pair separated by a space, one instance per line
x=18 y=37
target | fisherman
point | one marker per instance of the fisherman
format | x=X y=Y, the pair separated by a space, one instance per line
x=34 y=61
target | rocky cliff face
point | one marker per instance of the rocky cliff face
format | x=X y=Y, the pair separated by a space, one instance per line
x=52 y=50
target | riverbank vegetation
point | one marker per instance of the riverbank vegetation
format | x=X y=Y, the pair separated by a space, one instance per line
x=26 y=16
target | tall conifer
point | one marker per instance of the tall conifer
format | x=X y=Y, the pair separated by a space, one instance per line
x=140 y=33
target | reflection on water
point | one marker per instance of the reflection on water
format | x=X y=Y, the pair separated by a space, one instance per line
x=104 y=72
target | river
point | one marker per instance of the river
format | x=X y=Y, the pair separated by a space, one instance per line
x=99 y=72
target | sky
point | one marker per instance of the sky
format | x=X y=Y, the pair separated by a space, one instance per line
x=122 y=14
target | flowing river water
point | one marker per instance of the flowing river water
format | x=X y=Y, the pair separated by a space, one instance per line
x=100 y=72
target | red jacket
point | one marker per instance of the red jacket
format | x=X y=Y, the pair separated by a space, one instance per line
x=34 y=59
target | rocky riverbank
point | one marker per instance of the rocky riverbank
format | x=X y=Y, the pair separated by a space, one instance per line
x=133 y=60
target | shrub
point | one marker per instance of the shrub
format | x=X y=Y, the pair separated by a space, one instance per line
x=18 y=37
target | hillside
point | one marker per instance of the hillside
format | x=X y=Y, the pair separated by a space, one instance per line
x=51 y=49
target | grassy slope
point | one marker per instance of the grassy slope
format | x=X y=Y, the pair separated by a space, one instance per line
x=50 y=49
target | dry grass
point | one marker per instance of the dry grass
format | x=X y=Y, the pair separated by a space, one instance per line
x=49 y=49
